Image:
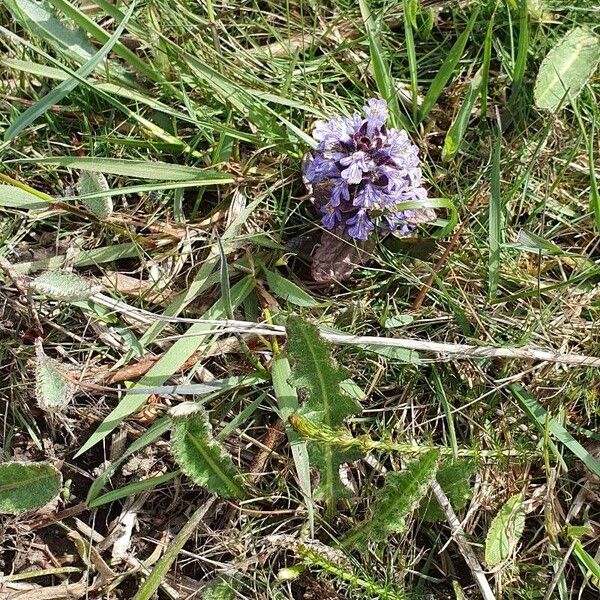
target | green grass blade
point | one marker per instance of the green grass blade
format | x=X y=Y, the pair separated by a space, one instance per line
x=60 y=91
x=447 y=69
x=288 y=404
x=411 y=52
x=485 y=67
x=540 y=417
x=495 y=220
x=102 y=36
x=141 y=169
x=158 y=428
x=153 y=581
x=380 y=67
x=41 y=21
x=168 y=364
x=455 y=134
x=132 y=489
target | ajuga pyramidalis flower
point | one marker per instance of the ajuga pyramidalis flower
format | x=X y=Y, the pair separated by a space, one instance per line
x=361 y=171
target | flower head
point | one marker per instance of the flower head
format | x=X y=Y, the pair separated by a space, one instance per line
x=364 y=170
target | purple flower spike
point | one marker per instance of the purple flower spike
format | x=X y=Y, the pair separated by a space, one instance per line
x=361 y=171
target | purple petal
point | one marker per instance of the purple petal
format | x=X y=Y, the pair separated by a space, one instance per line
x=360 y=225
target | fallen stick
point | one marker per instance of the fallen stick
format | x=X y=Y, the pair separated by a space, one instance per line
x=445 y=351
x=458 y=535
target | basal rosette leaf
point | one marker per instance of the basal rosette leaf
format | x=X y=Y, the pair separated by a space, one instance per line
x=399 y=496
x=315 y=371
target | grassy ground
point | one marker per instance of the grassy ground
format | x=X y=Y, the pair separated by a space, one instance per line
x=234 y=88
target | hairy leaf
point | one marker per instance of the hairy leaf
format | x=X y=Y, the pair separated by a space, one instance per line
x=200 y=456
x=64 y=285
x=26 y=486
x=454 y=478
x=505 y=531
x=314 y=370
x=53 y=391
x=94 y=183
x=567 y=68
x=395 y=501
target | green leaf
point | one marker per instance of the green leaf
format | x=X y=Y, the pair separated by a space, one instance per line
x=53 y=391
x=219 y=589
x=288 y=290
x=443 y=76
x=567 y=68
x=587 y=563
x=495 y=219
x=148 y=589
x=505 y=531
x=62 y=89
x=399 y=496
x=46 y=25
x=538 y=415
x=95 y=183
x=200 y=456
x=169 y=363
x=380 y=66
x=133 y=488
x=14 y=197
x=454 y=478
x=401 y=354
x=457 y=130
x=314 y=370
x=159 y=427
x=64 y=285
x=287 y=400
x=141 y=169
x=26 y=486
x=530 y=242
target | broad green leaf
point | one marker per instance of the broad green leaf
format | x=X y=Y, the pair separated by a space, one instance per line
x=14 y=197
x=53 y=391
x=447 y=69
x=288 y=290
x=567 y=68
x=200 y=456
x=62 y=89
x=454 y=478
x=457 y=130
x=196 y=336
x=540 y=417
x=141 y=169
x=314 y=370
x=95 y=183
x=64 y=285
x=505 y=531
x=399 y=496
x=35 y=16
x=26 y=486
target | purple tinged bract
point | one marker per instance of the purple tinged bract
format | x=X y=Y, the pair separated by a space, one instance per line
x=361 y=170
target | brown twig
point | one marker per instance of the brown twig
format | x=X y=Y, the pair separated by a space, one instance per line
x=460 y=538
